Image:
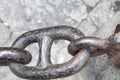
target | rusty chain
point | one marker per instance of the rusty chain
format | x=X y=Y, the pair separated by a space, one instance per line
x=80 y=47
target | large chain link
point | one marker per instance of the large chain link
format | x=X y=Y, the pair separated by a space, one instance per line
x=81 y=48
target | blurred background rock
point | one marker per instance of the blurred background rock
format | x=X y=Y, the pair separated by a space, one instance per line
x=93 y=17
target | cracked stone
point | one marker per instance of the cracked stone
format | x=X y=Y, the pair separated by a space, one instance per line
x=91 y=3
x=28 y=14
x=54 y=12
x=87 y=27
x=117 y=6
x=4 y=34
x=12 y=13
x=110 y=73
x=108 y=28
x=103 y=12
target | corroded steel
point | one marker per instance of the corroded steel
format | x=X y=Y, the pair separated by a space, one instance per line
x=84 y=42
x=13 y=55
x=114 y=49
x=110 y=46
x=44 y=68
x=80 y=47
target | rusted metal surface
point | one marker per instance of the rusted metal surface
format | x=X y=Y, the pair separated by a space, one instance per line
x=110 y=46
x=81 y=47
x=80 y=43
x=44 y=68
x=13 y=55
x=114 y=49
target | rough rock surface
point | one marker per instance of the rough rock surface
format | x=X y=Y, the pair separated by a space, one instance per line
x=93 y=17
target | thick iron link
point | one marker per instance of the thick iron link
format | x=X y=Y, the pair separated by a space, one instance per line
x=80 y=47
x=45 y=69
x=110 y=46
x=14 y=55
x=84 y=42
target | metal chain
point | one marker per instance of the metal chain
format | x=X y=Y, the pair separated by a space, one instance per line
x=81 y=47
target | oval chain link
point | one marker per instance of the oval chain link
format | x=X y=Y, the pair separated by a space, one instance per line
x=14 y=55
x=45 y=69
x=80 y=47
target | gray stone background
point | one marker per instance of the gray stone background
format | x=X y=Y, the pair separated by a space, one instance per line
x=93 y=17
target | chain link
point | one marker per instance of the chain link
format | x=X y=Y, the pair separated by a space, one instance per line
x=14 y=55
x=80 y=47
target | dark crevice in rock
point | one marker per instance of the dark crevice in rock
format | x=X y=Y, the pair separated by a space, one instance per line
x=89 y=9
x=117 y=6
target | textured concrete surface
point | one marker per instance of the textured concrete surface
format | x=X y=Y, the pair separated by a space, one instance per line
x=93 y=17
